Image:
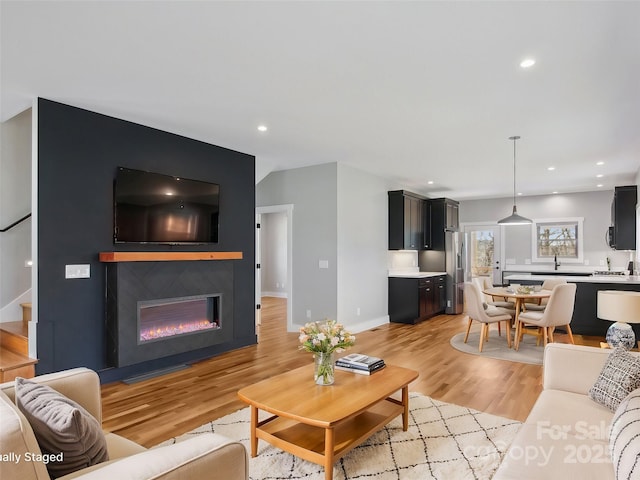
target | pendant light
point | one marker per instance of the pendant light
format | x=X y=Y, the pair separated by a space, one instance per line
x=514 y=218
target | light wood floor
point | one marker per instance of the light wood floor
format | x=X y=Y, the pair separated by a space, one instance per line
x=152 y=411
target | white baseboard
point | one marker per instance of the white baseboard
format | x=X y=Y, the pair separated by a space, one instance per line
x=12 y=312
x=359 y=326
x=273 y=294
x=368 y=324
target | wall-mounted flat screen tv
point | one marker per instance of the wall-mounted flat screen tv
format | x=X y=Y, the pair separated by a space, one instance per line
x=155 y=208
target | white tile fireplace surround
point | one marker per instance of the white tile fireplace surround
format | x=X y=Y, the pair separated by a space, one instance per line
x=161 y=308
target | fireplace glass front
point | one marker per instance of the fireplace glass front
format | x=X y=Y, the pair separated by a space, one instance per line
x=169 y=317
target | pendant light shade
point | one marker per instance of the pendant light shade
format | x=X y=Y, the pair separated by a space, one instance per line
x=514 y=218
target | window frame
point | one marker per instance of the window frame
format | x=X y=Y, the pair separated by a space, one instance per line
x=575 y=222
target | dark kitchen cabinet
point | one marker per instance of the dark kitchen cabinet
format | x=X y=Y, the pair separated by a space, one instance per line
x=440 y=293
x=623 y=217
x=406 y=221
x=414 y=299
x=444 y=216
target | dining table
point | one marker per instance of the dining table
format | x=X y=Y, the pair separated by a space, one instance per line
x=520 y=299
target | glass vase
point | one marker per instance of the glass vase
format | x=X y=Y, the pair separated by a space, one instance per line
x=323 y=373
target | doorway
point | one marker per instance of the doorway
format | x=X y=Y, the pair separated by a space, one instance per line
x=485 y=251
x=274 y=263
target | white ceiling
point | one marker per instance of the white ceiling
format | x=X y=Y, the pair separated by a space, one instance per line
x=411 y=91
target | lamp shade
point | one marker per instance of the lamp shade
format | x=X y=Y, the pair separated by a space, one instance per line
x=619 y=306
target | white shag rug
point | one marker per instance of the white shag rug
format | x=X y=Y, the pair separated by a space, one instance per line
x=444 y=441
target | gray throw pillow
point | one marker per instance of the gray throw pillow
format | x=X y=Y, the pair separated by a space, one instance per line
x=619 y=377
x=69 y=435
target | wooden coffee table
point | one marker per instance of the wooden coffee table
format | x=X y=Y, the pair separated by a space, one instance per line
x=322 y=423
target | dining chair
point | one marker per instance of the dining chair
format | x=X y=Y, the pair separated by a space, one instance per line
x=557 y=313
x=475 y=311
x=485 y=283
x=548 y=284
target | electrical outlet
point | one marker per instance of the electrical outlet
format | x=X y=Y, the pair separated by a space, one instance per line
x=308 y=313
x=323 y=264
x=358 y=311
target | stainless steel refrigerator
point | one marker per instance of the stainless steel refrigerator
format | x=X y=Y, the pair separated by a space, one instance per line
x=455 y=264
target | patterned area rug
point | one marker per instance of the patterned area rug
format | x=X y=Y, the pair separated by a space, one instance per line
x=496 y=347
x=444 y=441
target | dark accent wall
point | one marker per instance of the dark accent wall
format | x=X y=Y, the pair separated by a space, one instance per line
x=78 y=155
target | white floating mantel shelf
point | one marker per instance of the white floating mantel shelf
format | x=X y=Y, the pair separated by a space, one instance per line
x=113 y=257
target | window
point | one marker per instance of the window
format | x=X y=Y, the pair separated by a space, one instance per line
x=557 y=237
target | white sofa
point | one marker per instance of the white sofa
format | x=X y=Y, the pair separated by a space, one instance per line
x=566 y=435
x=202 y=456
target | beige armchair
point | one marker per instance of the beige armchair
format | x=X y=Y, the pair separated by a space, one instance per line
x=197 y=457
x=548 y=284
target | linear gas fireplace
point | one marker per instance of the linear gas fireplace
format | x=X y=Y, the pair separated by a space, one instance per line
x=160 y=319
x=159 y=309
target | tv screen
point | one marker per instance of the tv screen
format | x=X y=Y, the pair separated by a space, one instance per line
x=155 y=208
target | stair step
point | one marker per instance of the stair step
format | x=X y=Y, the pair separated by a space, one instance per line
x=14 y=365
x=14 y=337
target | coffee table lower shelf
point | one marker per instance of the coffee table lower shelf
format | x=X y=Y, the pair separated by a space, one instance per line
x=310 y=442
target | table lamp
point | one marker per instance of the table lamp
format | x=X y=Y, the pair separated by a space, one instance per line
x=622 y=307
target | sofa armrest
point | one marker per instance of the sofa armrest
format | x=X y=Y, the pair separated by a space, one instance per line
x=81 y=385
x=572 y=368
x=204 y=456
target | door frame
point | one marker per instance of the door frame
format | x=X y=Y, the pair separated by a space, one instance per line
x=288 y=210
x=490 y=224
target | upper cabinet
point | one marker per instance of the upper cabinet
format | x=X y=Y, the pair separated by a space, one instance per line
x=623 y=218
x=444 y=216
x=407 y=221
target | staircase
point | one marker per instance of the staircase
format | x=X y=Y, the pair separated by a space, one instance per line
x=14 y=348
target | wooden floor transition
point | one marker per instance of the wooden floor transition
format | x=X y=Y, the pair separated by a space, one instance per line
x=154 y=410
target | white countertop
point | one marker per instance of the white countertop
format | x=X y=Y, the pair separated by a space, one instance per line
x=619 y=279
x=415 y=274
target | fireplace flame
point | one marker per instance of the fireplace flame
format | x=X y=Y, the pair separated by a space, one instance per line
x=176 y=329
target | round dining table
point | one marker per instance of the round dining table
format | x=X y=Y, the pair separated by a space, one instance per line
x=519 y=299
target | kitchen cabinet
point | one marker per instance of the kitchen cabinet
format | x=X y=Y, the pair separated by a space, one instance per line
x=412 y=300
x=406 y=221
x=623 y=218
x=444 y=216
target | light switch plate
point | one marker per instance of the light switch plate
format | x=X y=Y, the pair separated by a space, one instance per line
x=323 y=264
x=77 y=271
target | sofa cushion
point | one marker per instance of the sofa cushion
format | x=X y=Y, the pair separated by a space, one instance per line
x=566 y=435
x=64 y=430
x=618 y=378
x=625 y=437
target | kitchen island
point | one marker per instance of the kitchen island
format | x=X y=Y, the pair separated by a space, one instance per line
x=585 y=320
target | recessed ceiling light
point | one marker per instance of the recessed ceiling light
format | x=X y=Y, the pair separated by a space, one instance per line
x=527 y=63
x=555 y=192
x=599 y=185
x=551 y=169
x=600 y=163
x=599 y=175
x=430 y=182
x=262 y=128
x=168 y=193
x=519 y=193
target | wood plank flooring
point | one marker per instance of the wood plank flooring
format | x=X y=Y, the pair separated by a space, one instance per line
x=152 y=411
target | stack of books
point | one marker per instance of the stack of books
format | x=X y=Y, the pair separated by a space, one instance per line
x=359 y=363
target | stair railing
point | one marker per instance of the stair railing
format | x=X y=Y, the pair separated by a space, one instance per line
x=17 y=222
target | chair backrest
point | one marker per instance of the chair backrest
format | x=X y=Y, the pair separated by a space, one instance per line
x=483 y=283
x=549 y=283
x=560 y=307
x=473 y=300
